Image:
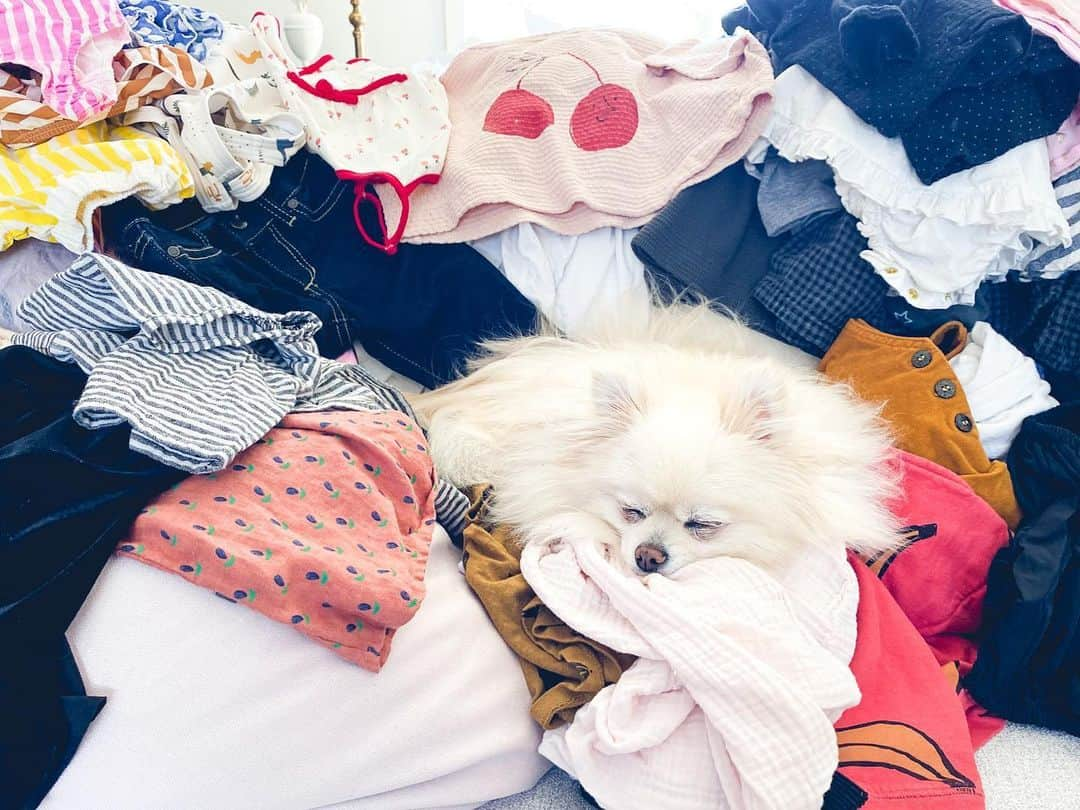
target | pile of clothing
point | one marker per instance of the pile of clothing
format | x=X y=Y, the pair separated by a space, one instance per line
x=221 y=268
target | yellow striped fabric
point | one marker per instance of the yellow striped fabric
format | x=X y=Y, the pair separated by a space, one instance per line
x=50 y=191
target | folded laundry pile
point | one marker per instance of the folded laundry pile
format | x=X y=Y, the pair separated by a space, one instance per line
x=200 y=235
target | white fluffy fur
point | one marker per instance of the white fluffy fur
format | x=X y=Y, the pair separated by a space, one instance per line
x=675 y=427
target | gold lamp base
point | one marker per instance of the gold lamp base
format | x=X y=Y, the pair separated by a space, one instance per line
x=357 y=20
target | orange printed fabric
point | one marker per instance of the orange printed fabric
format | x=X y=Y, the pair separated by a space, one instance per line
x=325 y=524
x=143 y=75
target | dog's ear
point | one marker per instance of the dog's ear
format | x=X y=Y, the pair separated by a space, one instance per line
x=613 y=399
x=762 y=404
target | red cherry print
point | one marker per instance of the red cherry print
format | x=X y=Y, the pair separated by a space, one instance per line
x=606 y=118
x=519 y=112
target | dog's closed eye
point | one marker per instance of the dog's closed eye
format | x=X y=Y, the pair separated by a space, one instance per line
x=702 y=529
x=633 y=514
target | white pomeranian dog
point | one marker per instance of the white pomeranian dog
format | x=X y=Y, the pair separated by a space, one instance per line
x=674 y=435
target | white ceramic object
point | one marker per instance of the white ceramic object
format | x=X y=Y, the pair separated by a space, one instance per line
x=304 y=33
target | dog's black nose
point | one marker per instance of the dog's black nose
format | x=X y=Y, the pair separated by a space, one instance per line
x=649 y=557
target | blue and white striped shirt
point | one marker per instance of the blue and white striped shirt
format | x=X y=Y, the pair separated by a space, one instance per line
x=1050 y=262
x=198 y=375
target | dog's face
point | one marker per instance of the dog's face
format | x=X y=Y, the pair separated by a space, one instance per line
x=689 y=474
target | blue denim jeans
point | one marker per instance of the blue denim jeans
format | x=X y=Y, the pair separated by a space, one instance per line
x=421 y=311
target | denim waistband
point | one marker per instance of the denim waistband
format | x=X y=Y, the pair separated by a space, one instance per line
x=301 y=190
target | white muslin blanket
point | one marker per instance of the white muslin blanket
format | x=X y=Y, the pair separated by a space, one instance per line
x=739 y=679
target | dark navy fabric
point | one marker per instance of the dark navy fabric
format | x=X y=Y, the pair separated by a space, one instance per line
x=801 y=286
x=817 y=282
x=421 y=311
x=68 y=496
x=959 y=81
x=710 y=240
x=1041 y=317
x=1028 y=667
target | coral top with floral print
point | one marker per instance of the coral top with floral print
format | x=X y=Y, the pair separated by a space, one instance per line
x=325 y=523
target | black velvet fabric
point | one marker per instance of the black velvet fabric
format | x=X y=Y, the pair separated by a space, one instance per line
x=1028 y=667
x=421 y=311
x=68 y=495
x=843 y=794
x=959 y=81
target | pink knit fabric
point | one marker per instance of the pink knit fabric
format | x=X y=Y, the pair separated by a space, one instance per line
x=1064 y=146
x=1058 y=19
x=577 y=130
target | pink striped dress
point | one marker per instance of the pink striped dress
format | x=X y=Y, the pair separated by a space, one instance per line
x=71 y=43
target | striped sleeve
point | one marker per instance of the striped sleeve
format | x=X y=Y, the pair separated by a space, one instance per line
x=198 y=375
x=1048 y=262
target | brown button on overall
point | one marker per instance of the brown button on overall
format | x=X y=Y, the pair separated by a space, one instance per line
x=922 y=401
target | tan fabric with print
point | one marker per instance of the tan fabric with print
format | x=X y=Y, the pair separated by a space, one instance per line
x=144 y=75
x=923 y=402
x=563 y=670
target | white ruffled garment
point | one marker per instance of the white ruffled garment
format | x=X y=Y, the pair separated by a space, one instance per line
x=933 y=244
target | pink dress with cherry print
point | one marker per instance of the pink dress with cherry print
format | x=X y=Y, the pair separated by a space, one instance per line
x=576 y=130
x=324 y=524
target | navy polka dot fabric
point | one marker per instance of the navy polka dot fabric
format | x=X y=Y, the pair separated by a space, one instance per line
x=959 y=81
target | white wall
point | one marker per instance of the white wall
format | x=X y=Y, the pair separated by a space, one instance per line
x=396 y=31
